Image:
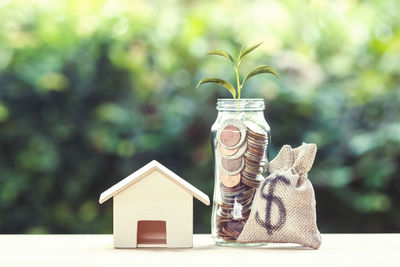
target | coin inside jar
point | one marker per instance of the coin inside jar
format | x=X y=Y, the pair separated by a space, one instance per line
x=227 y=152
x=230 y=136
x=230 y=180
x=232 y=165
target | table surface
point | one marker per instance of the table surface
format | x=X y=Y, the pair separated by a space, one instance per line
x=96 y=250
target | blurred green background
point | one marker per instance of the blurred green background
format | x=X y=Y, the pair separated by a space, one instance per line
x=92 y=90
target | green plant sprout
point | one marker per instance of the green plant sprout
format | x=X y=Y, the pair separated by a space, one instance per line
x=236 y=92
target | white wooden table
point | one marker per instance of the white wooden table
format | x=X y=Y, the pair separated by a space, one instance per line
x=337 y=250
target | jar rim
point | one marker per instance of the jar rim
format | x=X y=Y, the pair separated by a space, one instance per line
x=241 y=99
x=243 y=104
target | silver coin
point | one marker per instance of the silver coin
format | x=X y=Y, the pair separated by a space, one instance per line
x=233 y=169
x=238 y=154
x=255 y=127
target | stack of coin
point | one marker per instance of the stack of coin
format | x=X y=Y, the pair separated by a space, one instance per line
x=240 y=160
x=254 y=157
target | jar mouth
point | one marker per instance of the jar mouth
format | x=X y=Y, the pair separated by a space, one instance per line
x=243 y=104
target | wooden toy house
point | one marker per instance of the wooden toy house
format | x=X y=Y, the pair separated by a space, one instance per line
x=153 y=207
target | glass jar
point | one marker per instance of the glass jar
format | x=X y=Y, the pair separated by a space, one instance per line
x=240 y=139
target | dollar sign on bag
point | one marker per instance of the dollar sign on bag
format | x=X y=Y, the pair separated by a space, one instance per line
x=272 y=199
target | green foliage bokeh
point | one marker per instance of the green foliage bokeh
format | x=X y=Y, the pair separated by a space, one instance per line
x=92 y=90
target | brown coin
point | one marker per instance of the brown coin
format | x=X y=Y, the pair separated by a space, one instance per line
x=226 y=205
x=253 y=170
x=255 y=151
x=234 y=228
x=256 y=137
x=232 y=165
x=256 y=143
x=227 y=152
x=245 y=199
x=250 y=181
x=256 y=132
x=233 y=189
x=251 y=163
x=230 y=180
x=230 y=192
x=230 y=136
x=253 y=157
x=225 y=212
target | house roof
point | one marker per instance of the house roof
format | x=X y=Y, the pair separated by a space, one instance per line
x=143 y=172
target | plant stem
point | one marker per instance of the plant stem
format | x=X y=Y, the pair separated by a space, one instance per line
x=238 y=80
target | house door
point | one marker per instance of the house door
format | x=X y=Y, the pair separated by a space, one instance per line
x=151 y=233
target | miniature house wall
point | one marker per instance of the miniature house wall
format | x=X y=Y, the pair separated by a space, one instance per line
x=153 y=207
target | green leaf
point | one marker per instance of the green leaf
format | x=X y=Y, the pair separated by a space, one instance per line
x=260 y=70
x=248 y=50
x=222 y=53
x=225 y=84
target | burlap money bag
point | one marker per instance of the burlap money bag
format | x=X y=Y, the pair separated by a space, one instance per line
x=283 y=210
